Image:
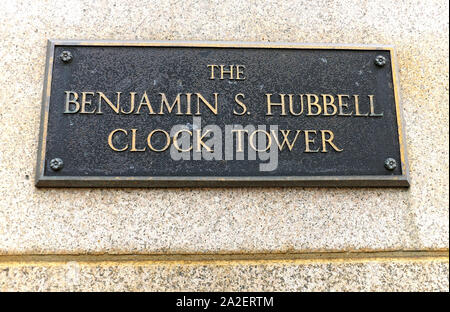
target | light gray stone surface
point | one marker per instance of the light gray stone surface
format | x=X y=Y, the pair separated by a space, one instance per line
x=269 y=276
x=225 y=220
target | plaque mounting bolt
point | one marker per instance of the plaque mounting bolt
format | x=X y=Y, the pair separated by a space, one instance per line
x=66 y=56
x=380 y=60
x=56 y=164
x=390 y=164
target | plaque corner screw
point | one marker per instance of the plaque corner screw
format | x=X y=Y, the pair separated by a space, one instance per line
x=66 y=56
x=390 y=163
x=380 y=60
x=56 y=164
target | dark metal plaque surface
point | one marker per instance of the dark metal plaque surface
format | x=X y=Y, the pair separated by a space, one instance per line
x=158 y=114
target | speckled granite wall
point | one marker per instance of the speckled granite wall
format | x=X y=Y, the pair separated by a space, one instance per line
x=227 y=221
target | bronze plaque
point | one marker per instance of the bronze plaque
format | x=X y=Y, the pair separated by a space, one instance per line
x=159 y=114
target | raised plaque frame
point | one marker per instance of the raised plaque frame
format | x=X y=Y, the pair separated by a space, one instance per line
x=41 y=180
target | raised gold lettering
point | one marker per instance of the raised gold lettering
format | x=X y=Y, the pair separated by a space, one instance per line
x=343 y=105
x=86 y=102
x=328 y=101
x=212 y=71
x=145 y=101
x=133 y=142
x=329 y=141
x=241 y=104
x=165 y=103
x=205 y=102
x=372 y=108
x=102 y=96
x=175 y=140
x=149 y=140
x=270 y=104
x=132 y=96
x=309 y=140
x=269 y=140
x=285 y=134
x=239 y=132
x=200 y=142
x=110 y=138
x=315 y=103
x=71 y=101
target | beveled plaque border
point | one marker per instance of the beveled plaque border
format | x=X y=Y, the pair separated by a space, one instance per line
x=41 y=180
